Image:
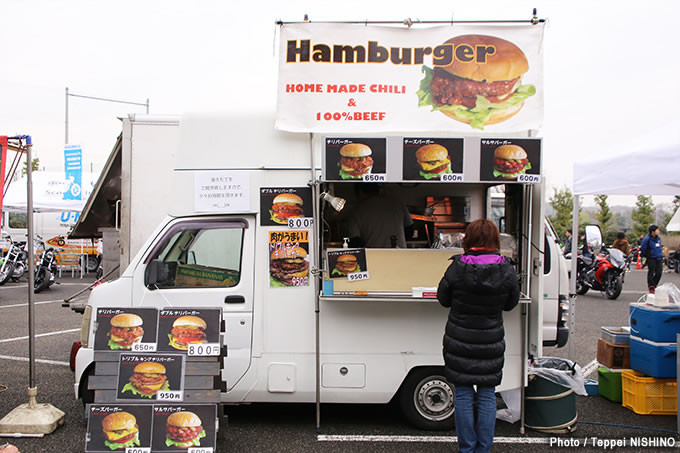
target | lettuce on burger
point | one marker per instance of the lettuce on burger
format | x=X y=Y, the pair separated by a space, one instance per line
x=478 y=93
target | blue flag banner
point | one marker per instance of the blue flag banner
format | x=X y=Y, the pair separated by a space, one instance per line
x=73 y=164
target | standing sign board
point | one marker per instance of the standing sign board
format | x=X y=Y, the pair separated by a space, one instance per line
x=364 y=78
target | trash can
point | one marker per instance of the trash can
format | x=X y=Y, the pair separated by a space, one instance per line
x=550 y=397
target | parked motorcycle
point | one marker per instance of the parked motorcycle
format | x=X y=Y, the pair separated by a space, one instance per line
x=14 y=263
x=602 y=272
x=46 y=269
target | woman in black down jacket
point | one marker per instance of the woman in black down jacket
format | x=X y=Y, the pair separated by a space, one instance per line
x=477 y=287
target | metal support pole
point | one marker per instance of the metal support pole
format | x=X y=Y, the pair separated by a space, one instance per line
x=316 y=276
x=31 y=305
x=572 y=280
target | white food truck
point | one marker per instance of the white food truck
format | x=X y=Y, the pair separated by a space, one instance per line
x=315 y=335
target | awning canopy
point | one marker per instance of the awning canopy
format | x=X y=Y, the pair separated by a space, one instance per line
x=674 y=224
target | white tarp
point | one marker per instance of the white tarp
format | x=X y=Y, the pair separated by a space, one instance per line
x=48 y=193
x=674 y=224
x=653 y=171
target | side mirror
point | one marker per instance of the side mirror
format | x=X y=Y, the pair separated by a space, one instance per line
x=594 y=237
x=155 y=273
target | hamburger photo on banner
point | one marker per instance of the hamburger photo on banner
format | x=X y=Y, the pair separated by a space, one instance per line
x=478 y=92
x=288 y=266
x=355 y=161
x=433 y=160
x=187 y=330
x=126 y=330
x=147 y=379
x=510 y=161
x=346 y=264
x=121 y=430
x=286 y=206
x=184 y=430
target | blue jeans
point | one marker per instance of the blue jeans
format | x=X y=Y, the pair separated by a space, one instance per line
x=475 y=437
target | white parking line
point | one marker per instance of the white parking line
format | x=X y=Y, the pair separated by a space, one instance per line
x=58 y=332
x=25 y=359
x=433 y=439
x=34 y=303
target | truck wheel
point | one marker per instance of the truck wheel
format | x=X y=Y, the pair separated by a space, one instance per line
x=427 y=400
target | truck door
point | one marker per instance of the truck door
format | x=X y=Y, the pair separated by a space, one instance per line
x=205 y=262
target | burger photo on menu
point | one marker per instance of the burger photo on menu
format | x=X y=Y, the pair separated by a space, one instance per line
x=286 y=206
x=187 y=330
x=288 y=266
x=485 y=89
x=510 y=161
x=433 y=160
x=121 y=430
x=147 y=379
x=346 y=264
x=184 y=430
x=126 y=330
x=355 y=161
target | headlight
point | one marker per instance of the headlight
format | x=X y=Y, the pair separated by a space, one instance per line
x=85 y=326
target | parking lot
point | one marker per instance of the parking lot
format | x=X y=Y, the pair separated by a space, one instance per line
x=291 y=428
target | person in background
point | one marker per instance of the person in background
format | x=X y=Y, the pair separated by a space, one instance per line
x=621 y=243
x=477 y=287
x=380 y=221
x=652 y=250
x=567 y=244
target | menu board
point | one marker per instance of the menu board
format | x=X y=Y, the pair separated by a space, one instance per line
x=278 y=205
x=433 y=159
x=356 y=159
x=510 y=160
x=178 y=428
x=126 y=329
x=288 y=258
x=348 y=263
x=118 y=427
x=192 y=330
x=151 y=377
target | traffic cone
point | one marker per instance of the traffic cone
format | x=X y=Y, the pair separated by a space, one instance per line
x=638 y=265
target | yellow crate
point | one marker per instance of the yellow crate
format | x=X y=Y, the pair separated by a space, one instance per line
x=647 y=395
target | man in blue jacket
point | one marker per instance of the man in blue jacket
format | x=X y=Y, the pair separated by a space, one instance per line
x=652 y=250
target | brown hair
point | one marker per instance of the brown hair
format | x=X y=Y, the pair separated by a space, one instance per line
x=483 y=234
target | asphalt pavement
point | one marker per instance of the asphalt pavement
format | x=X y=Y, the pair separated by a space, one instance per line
x=291 y=427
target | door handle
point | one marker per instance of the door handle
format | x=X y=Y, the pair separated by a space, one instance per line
x=234 y=300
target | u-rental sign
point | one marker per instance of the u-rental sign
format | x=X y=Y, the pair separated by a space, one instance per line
x=466 y=78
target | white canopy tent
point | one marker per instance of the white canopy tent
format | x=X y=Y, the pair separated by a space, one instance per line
x=654 y=170
x=674 y=224
x=48 y=193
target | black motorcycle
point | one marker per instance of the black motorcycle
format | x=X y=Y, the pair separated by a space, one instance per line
x=14 y=263
x=46 y=270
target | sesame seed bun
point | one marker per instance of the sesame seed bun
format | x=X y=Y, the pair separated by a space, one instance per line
x=119 y=421
x=288 y=198
x=433 y=152
x=506 y=63
x=126 y=320
x=355 y=150
x=184 y=419
x=289 y=252
x=189 y=321
x=150 y=368
x=347 y=258
x=510 y=152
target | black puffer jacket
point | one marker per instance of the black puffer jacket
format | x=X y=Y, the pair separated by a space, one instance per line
x=477 y=293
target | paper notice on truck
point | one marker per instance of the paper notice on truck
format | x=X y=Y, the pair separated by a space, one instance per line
x=193 y=275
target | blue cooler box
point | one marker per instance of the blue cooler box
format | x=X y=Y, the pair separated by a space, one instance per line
x=652 y=323
x=654 y=359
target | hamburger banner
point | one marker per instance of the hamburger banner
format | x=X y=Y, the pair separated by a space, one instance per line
x=510 y=159
x=118 y=427
x=349 y=264
x=281 y=205
x=195 y=331
x=126 y=329
x=288 y=258
x=363 y=78
x=145 y=377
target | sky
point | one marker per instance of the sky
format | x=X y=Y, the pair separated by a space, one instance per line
x=610 y=67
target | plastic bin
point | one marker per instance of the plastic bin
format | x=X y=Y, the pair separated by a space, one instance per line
x=616 y=335
x=609 y=384
x=647 y=395
x=653 y=323
x=613 y=355
x=653 y=359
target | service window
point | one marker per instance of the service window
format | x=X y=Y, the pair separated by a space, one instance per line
x=198 y=254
